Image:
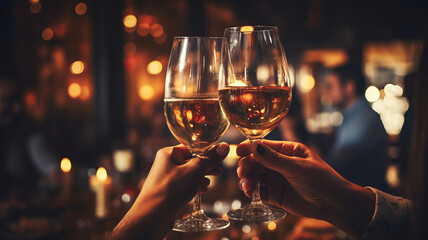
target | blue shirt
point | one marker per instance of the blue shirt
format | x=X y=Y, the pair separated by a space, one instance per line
x=360 y=150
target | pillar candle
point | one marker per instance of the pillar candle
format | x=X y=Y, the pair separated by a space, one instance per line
x=101 y=185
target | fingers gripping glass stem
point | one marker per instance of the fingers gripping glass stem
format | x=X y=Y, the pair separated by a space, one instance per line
x=198 y=221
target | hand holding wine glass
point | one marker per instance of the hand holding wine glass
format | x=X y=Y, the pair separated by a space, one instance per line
x=296 y=179
x=173 y=180
x=192 y=109
x=255 y=94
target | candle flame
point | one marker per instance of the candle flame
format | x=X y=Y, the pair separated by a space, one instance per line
x=101 y=174
x=65 y=165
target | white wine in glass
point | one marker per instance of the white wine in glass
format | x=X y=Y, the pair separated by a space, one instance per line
x=192 y=110
x=255 y=95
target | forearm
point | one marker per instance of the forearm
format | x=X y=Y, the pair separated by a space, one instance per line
x=352 y=209
x=149 y=218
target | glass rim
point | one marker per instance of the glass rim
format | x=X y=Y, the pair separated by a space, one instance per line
x=256 y=28
x=196 y=37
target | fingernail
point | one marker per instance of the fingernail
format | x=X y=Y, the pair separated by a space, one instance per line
x=260 y=149
x=222 y=149
x=240 y=184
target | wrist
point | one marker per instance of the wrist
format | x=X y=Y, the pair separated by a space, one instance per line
x=144 y=217
x=353 y=209
x=153 y=205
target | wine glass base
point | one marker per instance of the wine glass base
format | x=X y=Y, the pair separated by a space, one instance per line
x=257 y=213
x=194 y=224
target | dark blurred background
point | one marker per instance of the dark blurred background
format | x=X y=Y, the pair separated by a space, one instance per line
x=87 y=77
x=81 y=66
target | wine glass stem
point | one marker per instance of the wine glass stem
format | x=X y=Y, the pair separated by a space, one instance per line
x=197 y=211
x=256 y=196
x=256 y=200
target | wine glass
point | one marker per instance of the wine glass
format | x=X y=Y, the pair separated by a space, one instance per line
x=192 y=110
x=255 y=95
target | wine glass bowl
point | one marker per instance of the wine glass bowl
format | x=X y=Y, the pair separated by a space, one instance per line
x=196 y=123
x=255 y=95
x=192 y=110
x=255 y=110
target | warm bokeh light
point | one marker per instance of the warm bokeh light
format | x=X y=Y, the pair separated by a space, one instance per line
x=81 y=8
x=60 y=29
x=328 y=57
x=263 y=73
x=156 y=30
x=272 y=226
x=101 y=174
x=236 y=204
x=34 y=1
x=143 y=29
x=393 y=90
x=307 y=83
x=149 y=19
x=146 y=92
x=372 y=94
x=398 y=91
x=393 y=175
x=130 y=49
x=85 y=93
x=255 y=238
x=246 y=229
x=47 y=34
x=161 y=39
x=130 y=30
x=154 y=67
x=74 y=90
x=65 y=165
x=392 y=121
x=130 y=21
x=77 y=67
x=35 y=7
x=247 y=28
x=130 y=63
x=30 y=99
x=126 y=198
x=389 y=101
x=389 y=89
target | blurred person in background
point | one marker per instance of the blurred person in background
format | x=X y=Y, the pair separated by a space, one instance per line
x=24 y=158
x=294 y=178
x=359 y=150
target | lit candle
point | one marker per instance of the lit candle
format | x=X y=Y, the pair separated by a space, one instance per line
x=67 y=178
x=101 y=184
